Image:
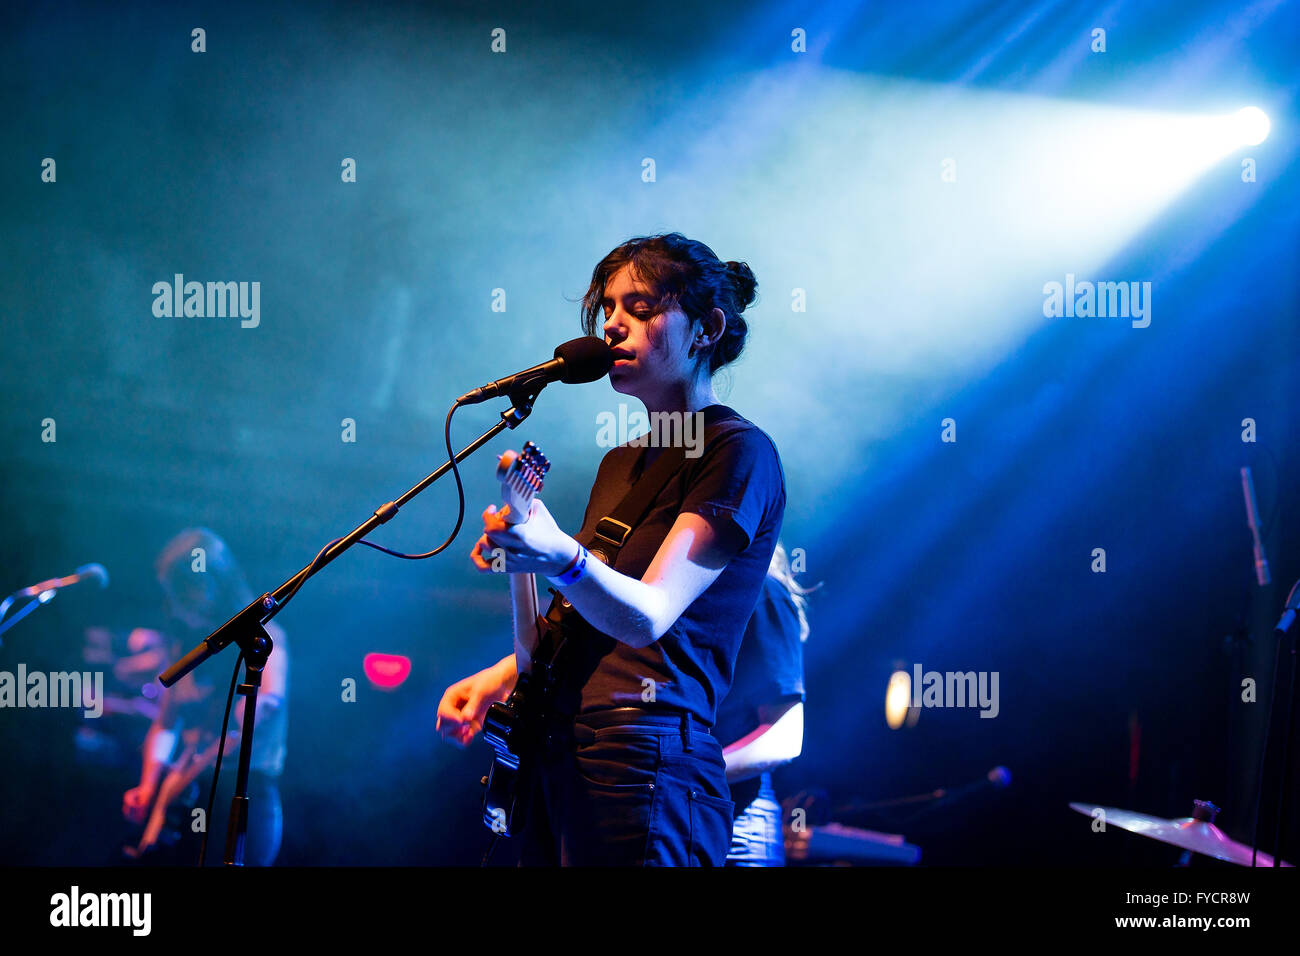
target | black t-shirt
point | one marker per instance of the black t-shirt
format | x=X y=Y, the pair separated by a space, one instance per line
x=737 y=478
x=769 y=668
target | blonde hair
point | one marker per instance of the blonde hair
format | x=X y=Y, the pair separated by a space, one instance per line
x=226 y=586
x=780 y=569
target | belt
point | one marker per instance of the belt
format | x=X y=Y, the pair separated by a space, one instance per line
x=669 y=718
x=658 y=717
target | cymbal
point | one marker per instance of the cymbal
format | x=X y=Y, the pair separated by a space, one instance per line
x=1196 y=833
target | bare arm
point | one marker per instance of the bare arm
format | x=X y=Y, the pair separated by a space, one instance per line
x=635 y=612
x=464 y=703
x=152 y=765
x=638 y=613
x=158 y=744
x=777 y=740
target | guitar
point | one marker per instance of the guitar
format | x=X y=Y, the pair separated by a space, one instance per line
x=177 y=792
x=508 y=727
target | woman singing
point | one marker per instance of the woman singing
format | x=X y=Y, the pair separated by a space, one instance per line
x=629 y=773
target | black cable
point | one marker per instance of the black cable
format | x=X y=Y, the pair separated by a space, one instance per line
x=487 y=857
x=221 y=751
x=460 y=495
x=299 y=579
x=297 y=582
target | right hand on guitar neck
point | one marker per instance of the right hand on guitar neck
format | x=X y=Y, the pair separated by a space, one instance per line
x=466 y=702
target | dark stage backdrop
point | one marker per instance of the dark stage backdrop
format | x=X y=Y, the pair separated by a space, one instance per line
x=893 y=298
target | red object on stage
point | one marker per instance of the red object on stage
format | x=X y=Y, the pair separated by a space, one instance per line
x=386 y=671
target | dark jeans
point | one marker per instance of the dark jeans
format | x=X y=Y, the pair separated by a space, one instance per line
x=265 y=819
x=625 y=789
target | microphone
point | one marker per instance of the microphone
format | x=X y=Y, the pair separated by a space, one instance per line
x=95 y=572
x=995 y=779
x=43 y=592
x=1252 y=519
x=577 y=361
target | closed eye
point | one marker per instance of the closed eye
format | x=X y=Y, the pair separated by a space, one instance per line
x=640 y=306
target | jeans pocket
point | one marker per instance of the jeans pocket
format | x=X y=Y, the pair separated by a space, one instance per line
x=618 y=761
x=710 y=835
x=608 y=824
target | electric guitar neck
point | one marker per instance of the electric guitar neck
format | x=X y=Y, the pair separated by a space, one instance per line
x=521 y=474
x=507 y=726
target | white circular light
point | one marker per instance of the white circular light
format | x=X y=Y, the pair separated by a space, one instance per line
x=1252 y=125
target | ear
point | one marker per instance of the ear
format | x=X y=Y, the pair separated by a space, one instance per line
x=711 y=328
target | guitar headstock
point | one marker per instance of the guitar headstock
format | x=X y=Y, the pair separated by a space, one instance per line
x=521 y=474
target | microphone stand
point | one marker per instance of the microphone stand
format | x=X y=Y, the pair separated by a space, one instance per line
x=248 y=627
x=43 y=593
x=23 y=611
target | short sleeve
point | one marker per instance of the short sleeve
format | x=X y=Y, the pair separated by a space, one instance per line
x=775 y=632
x=738 y=478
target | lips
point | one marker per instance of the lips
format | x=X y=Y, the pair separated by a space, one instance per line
x=621 y=355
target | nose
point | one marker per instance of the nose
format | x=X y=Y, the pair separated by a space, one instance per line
x=614 y=329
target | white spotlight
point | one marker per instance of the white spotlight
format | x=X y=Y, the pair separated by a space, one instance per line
x=898 y=698
x=1251 y=125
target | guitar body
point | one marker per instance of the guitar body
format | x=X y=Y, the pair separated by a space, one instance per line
x=171 y=808
x=164 y=826
x=511 y=729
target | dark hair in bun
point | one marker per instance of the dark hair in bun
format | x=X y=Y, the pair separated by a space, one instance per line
x=685 y=274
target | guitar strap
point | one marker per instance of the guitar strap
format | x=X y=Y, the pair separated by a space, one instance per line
x=612 y=531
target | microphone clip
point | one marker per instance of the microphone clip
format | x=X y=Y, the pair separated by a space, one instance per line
x=522 y=396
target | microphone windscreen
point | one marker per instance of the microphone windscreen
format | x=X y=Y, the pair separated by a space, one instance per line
x=96 y=571
x=585 y=360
